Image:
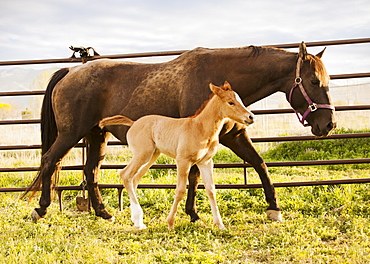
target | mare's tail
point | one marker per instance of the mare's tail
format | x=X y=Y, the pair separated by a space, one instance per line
x=116 y=120
x=49 y=130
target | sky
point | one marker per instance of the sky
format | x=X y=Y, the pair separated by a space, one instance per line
x=44 y=29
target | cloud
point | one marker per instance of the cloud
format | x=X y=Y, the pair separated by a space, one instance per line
x=45 y=29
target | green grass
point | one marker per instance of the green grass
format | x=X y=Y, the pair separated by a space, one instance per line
x=350 y=148
x=323 y=224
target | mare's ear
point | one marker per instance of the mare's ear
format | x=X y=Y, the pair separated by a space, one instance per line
x=303 y=51
x=320 y=53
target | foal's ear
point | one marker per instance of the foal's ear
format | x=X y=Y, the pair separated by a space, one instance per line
x=215 y=89
x=320 y=53
x=303 y=51
x=226 y=86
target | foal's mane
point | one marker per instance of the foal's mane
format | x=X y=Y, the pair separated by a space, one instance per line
x=201 y=108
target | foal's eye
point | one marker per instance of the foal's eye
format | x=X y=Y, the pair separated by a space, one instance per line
x=231 y=103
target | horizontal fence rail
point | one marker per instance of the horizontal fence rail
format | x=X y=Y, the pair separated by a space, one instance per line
x=255 y=112
x=178 y=52
x=243 y=165
x=260 y=140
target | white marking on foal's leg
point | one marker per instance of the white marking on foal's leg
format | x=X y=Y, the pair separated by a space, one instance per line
x=274 y=215
x=35 y=216
x=137 y=216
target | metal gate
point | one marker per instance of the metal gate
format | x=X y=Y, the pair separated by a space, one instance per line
x=244 y=165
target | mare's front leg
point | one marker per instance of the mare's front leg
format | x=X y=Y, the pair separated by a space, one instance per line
x=190 y=208
x=183 y=168
x=207 y=176
x=239 y=142
x=97 y=142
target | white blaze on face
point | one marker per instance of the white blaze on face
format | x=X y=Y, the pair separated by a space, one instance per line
x=241 y=102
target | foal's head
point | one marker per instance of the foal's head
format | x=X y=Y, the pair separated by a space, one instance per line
x=232 y=106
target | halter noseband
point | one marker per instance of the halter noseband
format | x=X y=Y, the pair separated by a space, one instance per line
x=312 y=107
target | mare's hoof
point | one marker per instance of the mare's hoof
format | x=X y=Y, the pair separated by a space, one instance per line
x=112 y=219
x=194 y=217
x=35 y=216
x=274 y=215
x=105 y=215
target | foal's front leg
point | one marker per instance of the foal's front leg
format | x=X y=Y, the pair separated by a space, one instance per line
x=183 y=168
x=206 y=172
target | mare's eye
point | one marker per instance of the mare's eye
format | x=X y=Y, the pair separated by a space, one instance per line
x=231 y=103
x=315 y=82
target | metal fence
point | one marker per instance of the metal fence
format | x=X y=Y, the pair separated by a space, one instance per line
x=244 y=165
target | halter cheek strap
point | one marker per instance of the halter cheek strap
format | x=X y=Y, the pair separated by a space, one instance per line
x=312 y=107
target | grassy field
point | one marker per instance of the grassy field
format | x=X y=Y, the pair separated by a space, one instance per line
x=322 y=224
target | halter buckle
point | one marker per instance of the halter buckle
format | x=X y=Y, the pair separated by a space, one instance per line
x=313 y=107
x=298 y=80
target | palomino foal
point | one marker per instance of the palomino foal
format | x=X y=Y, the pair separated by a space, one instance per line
x=191 y=141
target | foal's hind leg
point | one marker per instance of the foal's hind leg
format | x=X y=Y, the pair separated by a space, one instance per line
x=49 y=161
x=97 y=142
x=131 y=175
x=144 y=169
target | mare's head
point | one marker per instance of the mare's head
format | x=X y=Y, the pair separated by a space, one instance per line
x=309 y=95
x=231 y=105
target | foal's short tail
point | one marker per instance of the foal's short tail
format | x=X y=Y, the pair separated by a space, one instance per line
x=116 y=120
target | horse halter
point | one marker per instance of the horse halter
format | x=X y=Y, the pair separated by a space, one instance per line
x=312 y=107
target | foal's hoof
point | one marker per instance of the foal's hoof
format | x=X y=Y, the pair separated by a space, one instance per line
x=141 y=227
x=220 y=226
x=274 y=215
x=35 y=216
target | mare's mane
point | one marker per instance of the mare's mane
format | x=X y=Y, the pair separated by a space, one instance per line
x=251 y=51
x=319 y=69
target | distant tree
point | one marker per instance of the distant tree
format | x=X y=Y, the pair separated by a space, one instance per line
x=5 y=110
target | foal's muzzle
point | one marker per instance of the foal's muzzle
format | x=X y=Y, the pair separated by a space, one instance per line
x=249 y=120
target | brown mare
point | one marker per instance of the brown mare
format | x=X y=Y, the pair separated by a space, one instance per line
x=78 y=98
x=191 y=141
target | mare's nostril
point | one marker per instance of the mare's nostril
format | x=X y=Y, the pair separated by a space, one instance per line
x=331 y=126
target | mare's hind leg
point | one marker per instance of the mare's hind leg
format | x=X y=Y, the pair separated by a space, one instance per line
x=97 y=142
x=207 y=176
x=49 y=161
